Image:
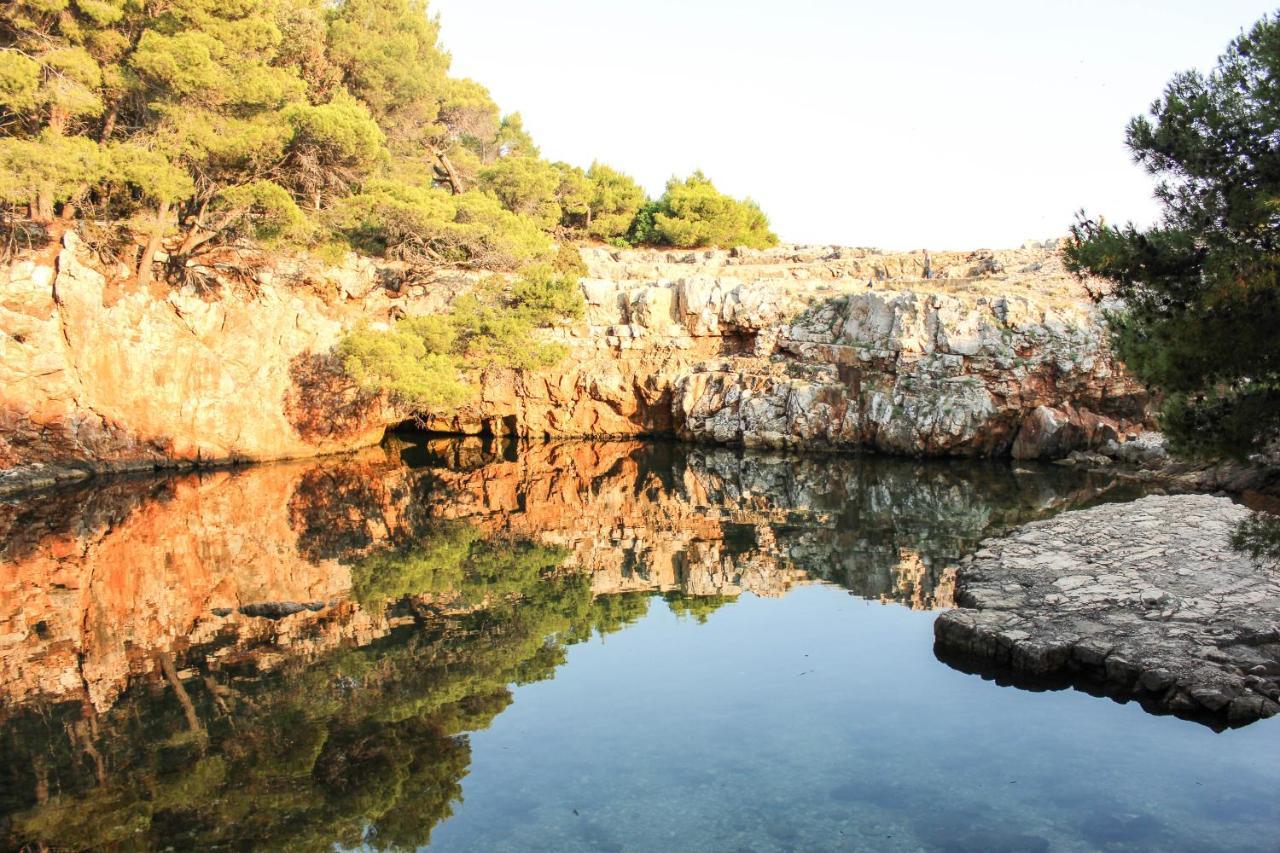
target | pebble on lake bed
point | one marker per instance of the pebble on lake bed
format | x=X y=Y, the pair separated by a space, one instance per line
x=1147 y=600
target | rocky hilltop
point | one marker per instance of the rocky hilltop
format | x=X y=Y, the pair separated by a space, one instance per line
x=806 y=347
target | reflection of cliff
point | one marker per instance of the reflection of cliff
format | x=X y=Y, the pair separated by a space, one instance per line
x=717 y=521
x=94 y=584
x=174 y=652
x=362 y=745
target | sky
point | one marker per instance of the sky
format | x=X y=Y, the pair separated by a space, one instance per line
x=928 y=124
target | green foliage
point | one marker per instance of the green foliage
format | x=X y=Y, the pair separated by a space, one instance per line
x=333 y=146
x=389 y=58
x=398 y=220
x=573 y=196
x=150 y=172
x=412 y=362
x=192 y=120
x=568 y=261
x=697 y=607
x=611 y=613
x=266 y=209
x=19 y=82
x=693 y=213
x=359 y=746
x=615 y=200
x=454 y=561
x=496 y=321
x=59 y=167
x=423 y=361
x=542 y=297
x=513 y=140
x=1201 y=292
x=527 y=186
x=1258 y=536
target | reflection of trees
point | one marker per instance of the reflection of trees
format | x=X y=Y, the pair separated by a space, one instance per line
x=366 y=745
x=455 y=560
x=697 y=607
x=341 y=508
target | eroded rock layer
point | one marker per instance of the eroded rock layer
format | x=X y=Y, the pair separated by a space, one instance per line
x=796 y=347
x=1145 y=600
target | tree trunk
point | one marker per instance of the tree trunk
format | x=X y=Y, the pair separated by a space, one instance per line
x=455 y=181
x=153 y=245
x=42 y=206
x=188 y=707
x=109 y=123
x=199 y=234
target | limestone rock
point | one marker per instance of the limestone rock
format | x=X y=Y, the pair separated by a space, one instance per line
x=781 y=347
x=1144 y=600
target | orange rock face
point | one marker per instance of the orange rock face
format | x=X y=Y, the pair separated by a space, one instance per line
x=111 y=377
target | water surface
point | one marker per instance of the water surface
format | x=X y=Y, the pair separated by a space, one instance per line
x=576 y=646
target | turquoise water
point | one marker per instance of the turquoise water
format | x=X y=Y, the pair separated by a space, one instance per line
x=580 y=646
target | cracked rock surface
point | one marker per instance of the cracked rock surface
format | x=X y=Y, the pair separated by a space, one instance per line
x=1144 y=600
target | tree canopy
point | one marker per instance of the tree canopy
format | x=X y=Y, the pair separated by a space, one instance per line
x=692 y=213
x=199 y=124
x=1201 y=291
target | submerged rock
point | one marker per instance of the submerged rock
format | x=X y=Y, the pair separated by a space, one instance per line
x=1144 y=600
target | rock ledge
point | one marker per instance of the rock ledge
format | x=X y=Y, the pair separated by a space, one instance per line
x=1143 y=600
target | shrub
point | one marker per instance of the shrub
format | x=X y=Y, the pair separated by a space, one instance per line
x=413 y=362
x=615 y=200
x=568 y=261
x=692 y=213
x=424 y=361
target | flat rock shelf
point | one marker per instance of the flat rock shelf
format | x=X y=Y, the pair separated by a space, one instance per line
x=1145 y=600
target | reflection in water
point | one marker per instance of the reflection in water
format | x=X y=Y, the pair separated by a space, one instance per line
x=294 y=655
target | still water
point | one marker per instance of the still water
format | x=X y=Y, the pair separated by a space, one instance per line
x=577 y=646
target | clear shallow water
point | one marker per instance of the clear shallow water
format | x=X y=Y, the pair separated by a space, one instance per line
x=564 y=647
x=821 y=721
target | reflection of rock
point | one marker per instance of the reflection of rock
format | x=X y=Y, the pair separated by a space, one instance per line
x=94 y=583
x=256 y=564
x=1144 y=599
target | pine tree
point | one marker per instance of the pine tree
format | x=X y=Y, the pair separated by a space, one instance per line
x=1201 y=291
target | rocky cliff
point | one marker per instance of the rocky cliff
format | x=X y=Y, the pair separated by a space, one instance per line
x=802 y=347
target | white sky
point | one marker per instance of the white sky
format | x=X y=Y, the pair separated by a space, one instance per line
x=936 y=124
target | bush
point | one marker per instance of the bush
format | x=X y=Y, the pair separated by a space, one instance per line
x=692 y=213
x=413 y=362
x=495 y=322
x=424 y=361
x=615 y=200
x=568 y=261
